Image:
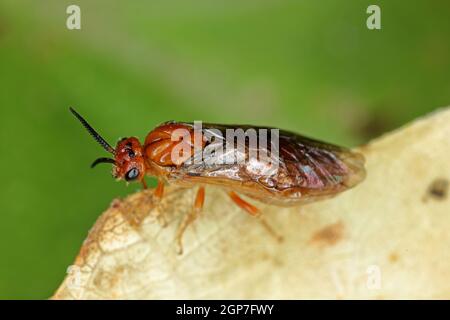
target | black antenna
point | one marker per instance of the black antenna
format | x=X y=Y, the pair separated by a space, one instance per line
x=93 y=133
x=103 y=160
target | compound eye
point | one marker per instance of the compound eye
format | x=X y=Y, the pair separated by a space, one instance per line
x=132 y=174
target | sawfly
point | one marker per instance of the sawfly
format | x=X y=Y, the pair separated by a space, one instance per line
x=294 y=170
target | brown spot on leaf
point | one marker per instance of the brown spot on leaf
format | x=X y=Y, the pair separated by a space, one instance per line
x=330 y=235
x=393 y=257
x=438 y=189
x=116 y=203
x=109 y=280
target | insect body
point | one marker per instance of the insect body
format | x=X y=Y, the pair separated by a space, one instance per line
x=295 y=169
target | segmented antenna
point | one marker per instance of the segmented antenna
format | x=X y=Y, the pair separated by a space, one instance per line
x=93 y=133
x=102 y=160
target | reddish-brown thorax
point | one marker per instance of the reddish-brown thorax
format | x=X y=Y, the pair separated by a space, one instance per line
x=160 y=144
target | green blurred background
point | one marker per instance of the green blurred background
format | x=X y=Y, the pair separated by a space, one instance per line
x=309 y=66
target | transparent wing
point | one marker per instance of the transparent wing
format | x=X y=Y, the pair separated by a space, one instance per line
x=303 y=163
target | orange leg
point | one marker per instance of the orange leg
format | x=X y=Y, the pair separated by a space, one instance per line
x=254 y=212
x=144 y=184
x=159 y=191
x=189 y=218
x=157 y=197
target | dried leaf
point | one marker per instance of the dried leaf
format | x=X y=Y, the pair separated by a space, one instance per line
x=386 y=238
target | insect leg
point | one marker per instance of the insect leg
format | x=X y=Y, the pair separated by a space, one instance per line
x=254 y=212
x=189 y=218
x=157 y=197
x=159 y=191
